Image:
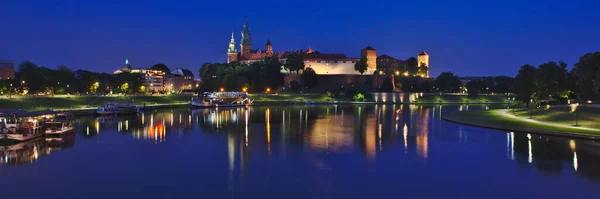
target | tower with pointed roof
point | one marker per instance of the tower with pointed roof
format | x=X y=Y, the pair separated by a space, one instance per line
x=371 y=54
x=246 y=43
x=423 y=60
x=232 y=53
x=269 y=48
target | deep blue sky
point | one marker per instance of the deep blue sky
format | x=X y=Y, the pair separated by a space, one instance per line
x=465 y=37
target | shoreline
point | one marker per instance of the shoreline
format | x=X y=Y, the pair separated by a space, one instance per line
x=91 y=111
x=587 y=136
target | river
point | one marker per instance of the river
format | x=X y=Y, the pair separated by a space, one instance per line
x=322 y=151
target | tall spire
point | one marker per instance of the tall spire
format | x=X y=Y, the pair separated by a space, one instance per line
x=232 y=45
x=246 y=34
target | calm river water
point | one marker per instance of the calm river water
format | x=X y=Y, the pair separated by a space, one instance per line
x=350 y=151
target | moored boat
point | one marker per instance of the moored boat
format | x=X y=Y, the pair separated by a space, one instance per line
x=221 y=99
x=18 y=126
x=60 y=124
x=122 y=108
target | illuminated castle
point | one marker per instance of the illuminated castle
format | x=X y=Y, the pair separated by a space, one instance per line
x=323 y=64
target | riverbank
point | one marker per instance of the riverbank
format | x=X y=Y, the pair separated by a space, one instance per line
x=503 y=119
x=86 y=102
x=462 y=99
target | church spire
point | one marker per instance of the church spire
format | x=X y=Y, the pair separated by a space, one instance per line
x=246 y=44
x=232 y=45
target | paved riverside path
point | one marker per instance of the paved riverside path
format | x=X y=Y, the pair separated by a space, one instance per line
x=504 y=112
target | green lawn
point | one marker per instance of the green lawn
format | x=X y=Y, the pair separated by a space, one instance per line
x=494 y=119
x=586 y=116
x=76 y=102
x=463 y=99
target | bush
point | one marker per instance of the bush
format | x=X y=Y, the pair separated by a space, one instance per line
x=359 y=97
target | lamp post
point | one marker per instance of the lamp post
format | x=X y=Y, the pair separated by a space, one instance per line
x=530 y=111
x=574 y=110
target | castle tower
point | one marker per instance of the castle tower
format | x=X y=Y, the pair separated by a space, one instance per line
x=232 y=52
x=371 y=55
x=423 y=60
x=246 y=44
x=269 y=48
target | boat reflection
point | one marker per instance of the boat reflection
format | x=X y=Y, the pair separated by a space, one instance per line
x=28 y=152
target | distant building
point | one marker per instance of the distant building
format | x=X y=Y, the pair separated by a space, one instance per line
x=153 y=79
x=179 y=80
x=423 y=60
x=7 y=69
x=389 y=65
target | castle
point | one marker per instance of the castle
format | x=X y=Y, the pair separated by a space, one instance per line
x=322 y=64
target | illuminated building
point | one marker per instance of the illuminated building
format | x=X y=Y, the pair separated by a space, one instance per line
x=153 y=80
x=323 y=64
x=179 y=80
x=423 y=60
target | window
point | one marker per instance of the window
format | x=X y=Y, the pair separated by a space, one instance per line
x=335 y=61
x=344 y=62
x=318 y=61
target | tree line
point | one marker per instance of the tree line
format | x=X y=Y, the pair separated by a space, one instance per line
x=36 y=79
x=551 y=81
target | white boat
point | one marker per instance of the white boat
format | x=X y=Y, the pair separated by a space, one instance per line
x=18 y=126
x=123 y=108
x=221 y=99
x=62 y=123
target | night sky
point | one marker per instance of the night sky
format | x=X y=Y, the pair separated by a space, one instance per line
x=466 y=37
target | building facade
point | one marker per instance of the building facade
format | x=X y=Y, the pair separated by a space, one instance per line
x=7 y=69
x=179 y=81
x=423 y=60
x=153 y=80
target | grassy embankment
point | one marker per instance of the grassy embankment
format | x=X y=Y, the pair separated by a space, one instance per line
x=291 y=97
x=82 y=102
x=77 y=102
x=465 y=99
x=554 y=119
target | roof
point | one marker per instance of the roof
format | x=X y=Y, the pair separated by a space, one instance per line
x=384 y=56
x=368 y=48
x=258 y=56
x=187 y=73
x=21 y=113
x=268 y=42
x=325 y=57
x=423 y=53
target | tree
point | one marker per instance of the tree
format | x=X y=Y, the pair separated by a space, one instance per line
x=447 y=82
x=361 y=66
x=161 y=67
x=31 y=78
x=423 y=70
x=412 y=66
x=587 y=73
x=310 y=78
x=502 y=84
x=550 y=81
x=524 y=83
x=475 y=86
x=295 y=62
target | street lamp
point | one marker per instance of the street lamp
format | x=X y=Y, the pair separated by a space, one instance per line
x=574 y=110
x=530 y=111
x=268 y=90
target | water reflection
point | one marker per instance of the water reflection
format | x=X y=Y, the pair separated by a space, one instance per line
x=30 y=151
x=252 y=132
